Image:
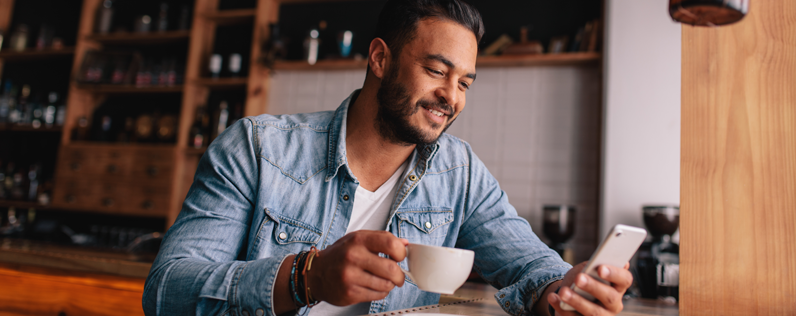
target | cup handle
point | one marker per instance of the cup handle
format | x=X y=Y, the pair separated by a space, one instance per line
x=408 y=274
x=404 y=271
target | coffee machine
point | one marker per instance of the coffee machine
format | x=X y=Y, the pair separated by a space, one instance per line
x=658 y=261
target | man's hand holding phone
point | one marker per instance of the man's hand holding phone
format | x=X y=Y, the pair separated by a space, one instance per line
x=596 y=287
x=609 y=297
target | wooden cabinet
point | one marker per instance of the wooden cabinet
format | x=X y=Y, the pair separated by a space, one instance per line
x=131 y=180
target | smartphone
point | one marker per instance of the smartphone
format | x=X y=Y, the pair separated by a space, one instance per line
x=616 y=249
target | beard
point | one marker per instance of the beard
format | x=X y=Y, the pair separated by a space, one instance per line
x=395 y=110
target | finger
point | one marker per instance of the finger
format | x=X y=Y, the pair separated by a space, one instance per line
x=365 y=294
x=606 y=294
x=555 y=301
x=579 y=303
x=384 y=242
x=621 y=279
x=375 y=283
x=383 y=268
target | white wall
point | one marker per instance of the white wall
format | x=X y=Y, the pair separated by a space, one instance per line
x=641 y=162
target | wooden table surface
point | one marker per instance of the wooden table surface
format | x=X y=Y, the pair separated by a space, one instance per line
x=476 y=299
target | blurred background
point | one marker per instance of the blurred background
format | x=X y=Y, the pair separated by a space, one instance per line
x=106 y=107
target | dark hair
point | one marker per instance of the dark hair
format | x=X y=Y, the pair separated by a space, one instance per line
x=398 y=19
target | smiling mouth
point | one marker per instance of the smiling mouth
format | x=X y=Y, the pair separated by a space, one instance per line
x=437 y=113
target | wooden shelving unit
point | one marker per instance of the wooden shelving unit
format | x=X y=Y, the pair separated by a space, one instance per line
x=195 y=151
x=33 y=54
x=138 y=39
x=26 y=128
x=128 y=89
x=226 y=17
x=223 y=83
x=23 y=204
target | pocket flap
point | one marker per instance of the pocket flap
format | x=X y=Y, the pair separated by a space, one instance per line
x=427 y=219
x=289 y=230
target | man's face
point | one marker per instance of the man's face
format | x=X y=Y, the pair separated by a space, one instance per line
x=423 y=90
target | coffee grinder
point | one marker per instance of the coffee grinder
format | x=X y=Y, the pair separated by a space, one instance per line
x=559 y=226
x=658 y=261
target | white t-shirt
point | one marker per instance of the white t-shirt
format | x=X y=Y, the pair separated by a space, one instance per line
x=370 y=212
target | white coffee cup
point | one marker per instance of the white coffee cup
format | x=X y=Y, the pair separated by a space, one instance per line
x=438 y=269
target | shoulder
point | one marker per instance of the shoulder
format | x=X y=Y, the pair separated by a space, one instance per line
x=317 y=121
x=453 y=153
x=295 y=144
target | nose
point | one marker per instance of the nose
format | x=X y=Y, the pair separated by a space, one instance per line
x=448 y=94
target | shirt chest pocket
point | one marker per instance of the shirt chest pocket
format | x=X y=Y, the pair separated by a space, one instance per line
x=280 y=235
x=427 y=226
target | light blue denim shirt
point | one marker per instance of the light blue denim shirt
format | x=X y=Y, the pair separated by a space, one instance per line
x=271 y=186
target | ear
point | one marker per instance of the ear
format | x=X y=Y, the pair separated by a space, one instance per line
x=378 y=56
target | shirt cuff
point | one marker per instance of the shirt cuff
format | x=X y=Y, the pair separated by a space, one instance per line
x=254 y=286
x=520 y=297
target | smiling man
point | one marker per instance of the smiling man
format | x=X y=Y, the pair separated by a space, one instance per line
x=358 y=184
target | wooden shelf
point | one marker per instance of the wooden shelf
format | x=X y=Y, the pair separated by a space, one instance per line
x=33 y=54
x=223 y=83
x=238 y=16
x=128 y=89
x=195 y=151
x=337 y=64
x=562 y=59
x=106 y=145
x=22 y=204
x=311 y=1
x=137 y=39
x=483 y=61
x=28 y=128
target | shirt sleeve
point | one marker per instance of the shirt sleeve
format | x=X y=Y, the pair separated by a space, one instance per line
x=508 y=254
x=200 y=269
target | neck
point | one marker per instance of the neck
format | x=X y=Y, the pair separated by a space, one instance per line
x=372 y=158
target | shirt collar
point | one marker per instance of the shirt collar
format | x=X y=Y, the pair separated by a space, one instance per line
x=337 y=157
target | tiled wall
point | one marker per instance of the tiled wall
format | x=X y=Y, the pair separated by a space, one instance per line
x=537 y=129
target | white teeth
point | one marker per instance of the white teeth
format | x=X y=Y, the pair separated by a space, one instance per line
x=437 y=113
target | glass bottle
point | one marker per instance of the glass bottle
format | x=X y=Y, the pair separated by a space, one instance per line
x=19 y=39
x=220 y=119
x=163 y=17
x=23 y=106
x=49 y=111
x=104 y=17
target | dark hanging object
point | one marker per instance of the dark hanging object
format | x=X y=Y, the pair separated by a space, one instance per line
x=708 y=12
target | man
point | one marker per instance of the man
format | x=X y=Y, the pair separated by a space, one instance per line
x=367 y=179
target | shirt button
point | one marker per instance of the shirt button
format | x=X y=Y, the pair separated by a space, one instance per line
x=245 y=313
x=413 y=178
x=283 y=235
x=259 y=312
x=345 y=197
x=428 y=224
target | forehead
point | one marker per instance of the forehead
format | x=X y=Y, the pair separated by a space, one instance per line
x=445 y=38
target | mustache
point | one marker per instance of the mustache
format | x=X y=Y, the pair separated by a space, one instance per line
x=446 y=108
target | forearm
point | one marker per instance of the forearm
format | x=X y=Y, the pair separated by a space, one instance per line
x=283 y=302
x=540 y=308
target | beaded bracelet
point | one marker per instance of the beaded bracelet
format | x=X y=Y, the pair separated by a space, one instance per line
x=294 y=280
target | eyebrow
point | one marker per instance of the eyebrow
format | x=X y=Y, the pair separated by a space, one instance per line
x=442 y=59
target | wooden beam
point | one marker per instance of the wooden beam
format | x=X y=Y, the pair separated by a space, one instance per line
x=738 y=160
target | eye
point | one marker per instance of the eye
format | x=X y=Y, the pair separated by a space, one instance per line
x=465 y=85
x=436 y=72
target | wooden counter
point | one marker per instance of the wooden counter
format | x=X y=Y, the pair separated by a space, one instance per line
x=45 y=279
x=479 y=299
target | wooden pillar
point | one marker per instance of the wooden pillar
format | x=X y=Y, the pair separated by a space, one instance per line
x=738 y=160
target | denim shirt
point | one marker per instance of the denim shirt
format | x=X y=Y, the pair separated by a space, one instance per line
x=271 y=186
